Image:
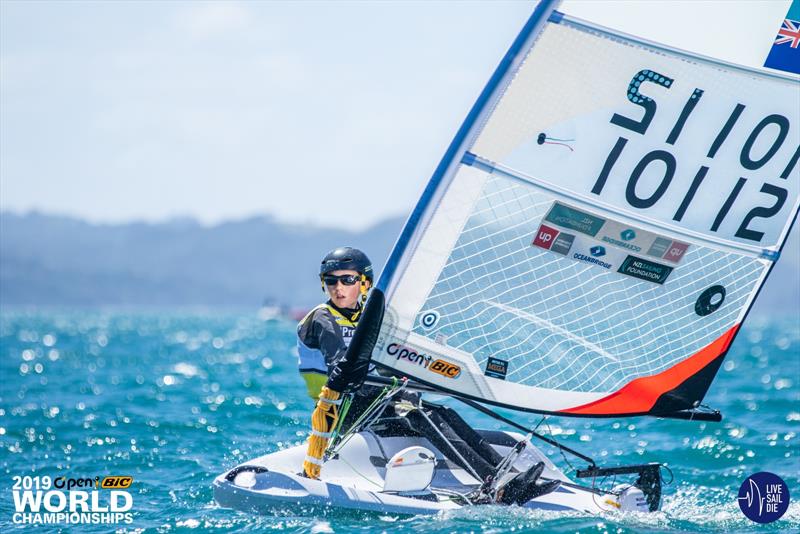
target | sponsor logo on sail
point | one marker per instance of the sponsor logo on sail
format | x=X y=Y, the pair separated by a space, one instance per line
x=553 y=240
x=598 y=251
x=439 y=366
x=675 y=251
x=574 y=219
x=672 y=251
x=401 y=352
x=545 y=237
x=589 y=259
x=625 y=236
x=445 y=368
x=563 y=243
x=659 y=247
x=496 y=368
x=645 y=269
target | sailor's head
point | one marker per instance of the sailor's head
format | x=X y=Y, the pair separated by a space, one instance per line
x=346 y=275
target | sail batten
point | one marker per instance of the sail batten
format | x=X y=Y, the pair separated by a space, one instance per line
x=598 y=229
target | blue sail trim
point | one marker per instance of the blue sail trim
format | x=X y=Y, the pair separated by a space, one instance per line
x=534 y=25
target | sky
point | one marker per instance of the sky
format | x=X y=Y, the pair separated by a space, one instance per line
x=324 y=113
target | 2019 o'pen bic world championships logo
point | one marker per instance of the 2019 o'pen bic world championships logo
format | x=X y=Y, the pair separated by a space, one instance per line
x=764 y=497
x=42 y=500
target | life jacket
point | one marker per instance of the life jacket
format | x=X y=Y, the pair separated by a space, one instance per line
x=322 y=339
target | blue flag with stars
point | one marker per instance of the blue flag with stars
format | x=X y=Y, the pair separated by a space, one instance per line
x=785 y=52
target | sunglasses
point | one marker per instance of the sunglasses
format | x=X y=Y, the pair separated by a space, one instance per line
x=346 y=279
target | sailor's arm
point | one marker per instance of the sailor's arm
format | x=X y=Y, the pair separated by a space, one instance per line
x=348 y=370
x=318 y=347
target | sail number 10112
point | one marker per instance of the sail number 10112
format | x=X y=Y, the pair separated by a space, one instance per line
x=747 y=159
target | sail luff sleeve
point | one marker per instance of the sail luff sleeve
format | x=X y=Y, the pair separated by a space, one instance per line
x=349 y=372
x=446 y=169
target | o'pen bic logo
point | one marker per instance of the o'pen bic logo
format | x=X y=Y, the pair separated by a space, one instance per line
x=764 y=497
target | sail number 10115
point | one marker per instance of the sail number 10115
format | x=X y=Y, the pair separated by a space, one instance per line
x=747 y=159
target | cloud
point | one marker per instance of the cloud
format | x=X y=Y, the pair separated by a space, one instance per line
x=213 y=18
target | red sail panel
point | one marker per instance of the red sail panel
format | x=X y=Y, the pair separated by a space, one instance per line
x=641 y=394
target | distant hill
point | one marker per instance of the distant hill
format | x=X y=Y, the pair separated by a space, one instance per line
x=48 y=260
x=61 y=261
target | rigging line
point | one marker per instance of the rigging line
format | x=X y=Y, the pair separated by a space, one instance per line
x=342 y=415
x=452 y=447
x=554 y=443
x=561 y=144
x=564 y=456
x=382 y=398
x=539 y=423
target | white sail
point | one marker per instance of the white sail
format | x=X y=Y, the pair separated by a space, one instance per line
x=598 y=229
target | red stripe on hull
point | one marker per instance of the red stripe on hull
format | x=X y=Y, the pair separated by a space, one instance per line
x=641 y=394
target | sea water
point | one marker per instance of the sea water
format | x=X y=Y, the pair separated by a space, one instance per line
x=174 y=399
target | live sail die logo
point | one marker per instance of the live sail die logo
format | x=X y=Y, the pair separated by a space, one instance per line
x=42 y=500
x=764 y=497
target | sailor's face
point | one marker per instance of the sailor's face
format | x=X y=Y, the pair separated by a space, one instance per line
x=341 y=295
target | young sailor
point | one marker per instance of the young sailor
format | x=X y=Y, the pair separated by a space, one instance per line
x=324 y=336
x=325 y=332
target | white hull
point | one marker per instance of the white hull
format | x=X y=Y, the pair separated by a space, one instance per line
x=354 y=480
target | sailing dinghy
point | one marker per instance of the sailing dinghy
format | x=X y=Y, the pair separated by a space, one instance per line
x=589 y=246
